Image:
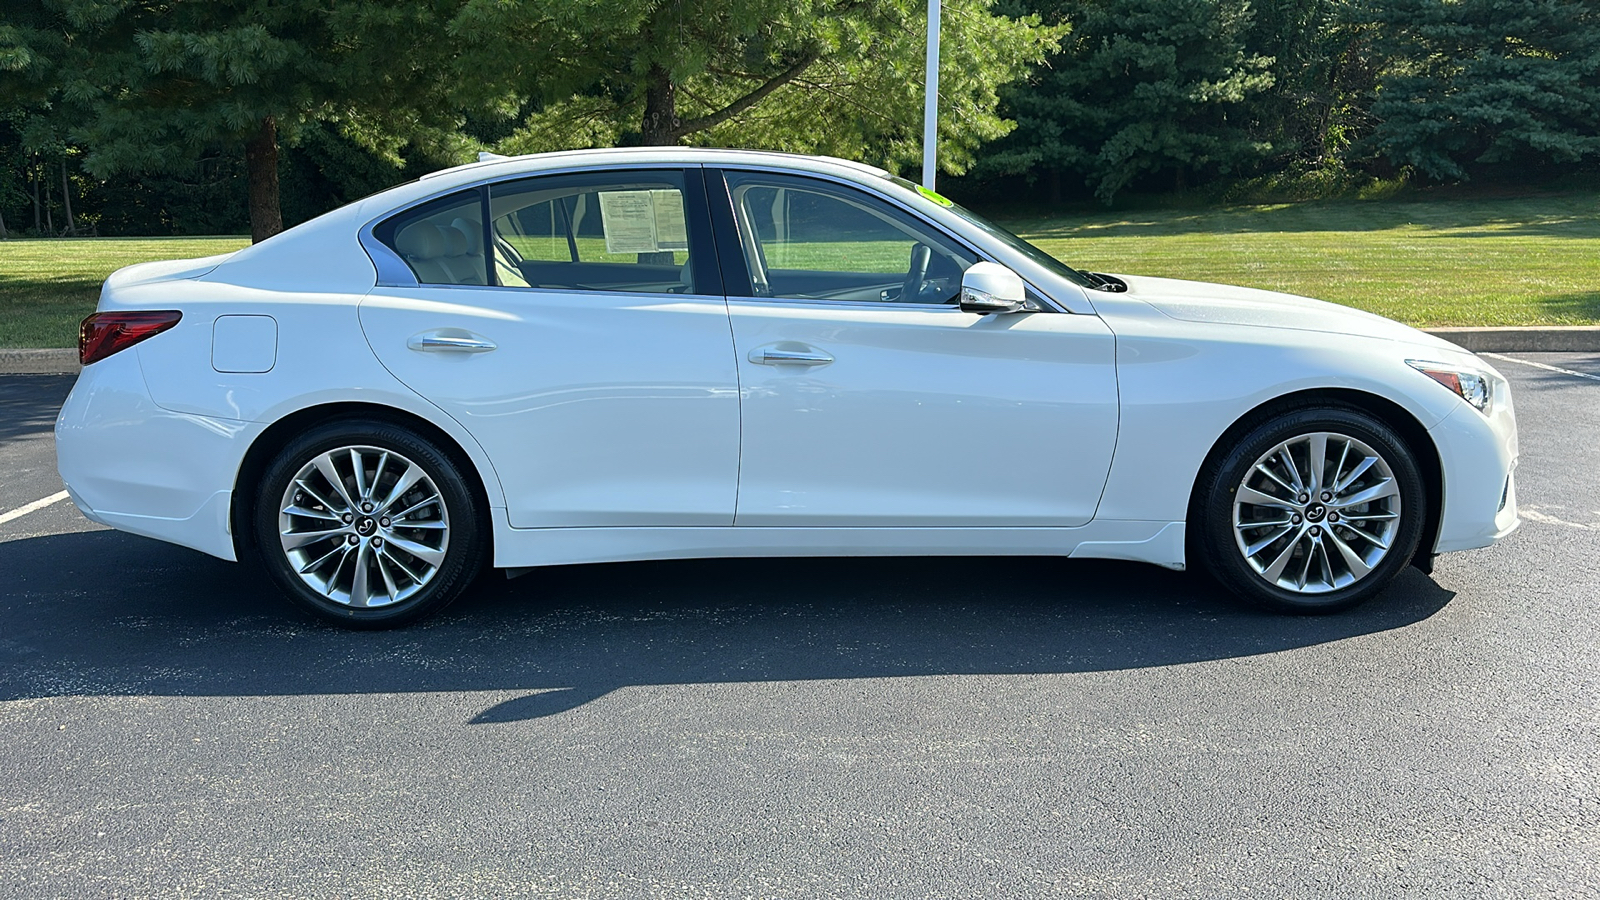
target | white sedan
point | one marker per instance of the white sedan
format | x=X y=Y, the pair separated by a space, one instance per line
x=662 y=353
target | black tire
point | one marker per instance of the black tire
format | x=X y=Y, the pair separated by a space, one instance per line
x=1333 y=541
x=411 y=565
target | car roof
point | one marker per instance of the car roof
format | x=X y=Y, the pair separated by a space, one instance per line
x=491 y=165
x=491 y=168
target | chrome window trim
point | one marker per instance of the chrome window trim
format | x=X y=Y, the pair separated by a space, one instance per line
x=548 y=290
x=562 y=291
x=866 y=304
x=392 y=270
x=858 y=304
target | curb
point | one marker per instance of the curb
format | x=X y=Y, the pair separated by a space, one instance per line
x=39 y=362
x=1557 y=339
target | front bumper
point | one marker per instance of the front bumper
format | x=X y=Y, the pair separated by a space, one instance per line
x=1478 y=455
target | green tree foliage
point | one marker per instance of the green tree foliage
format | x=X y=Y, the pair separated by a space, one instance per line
x=1324 y=72
x=26 y=133
x=168 y=115
x=187 y=99
x=1142 y=88
x=1476 y=83
x=150 y=86
x=843 y=77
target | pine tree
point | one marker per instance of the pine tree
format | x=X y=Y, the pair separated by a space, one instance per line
x=1324 y=72
x=151 y=86
x=1478 y=83
x=1142 y=88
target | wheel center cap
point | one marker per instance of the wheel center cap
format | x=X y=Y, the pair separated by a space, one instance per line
x=1315 y=512
x=365 y=526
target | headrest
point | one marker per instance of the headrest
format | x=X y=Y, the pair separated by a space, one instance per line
x=473 y=232
x=686 y=277
x=421 y=240
x=455 y=242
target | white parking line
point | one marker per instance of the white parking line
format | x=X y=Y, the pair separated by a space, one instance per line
x=35 y=506
x=1537 y=365
x=1537 y=514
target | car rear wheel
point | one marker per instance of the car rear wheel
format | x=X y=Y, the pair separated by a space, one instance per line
x=1312 y=511
x=367 y=524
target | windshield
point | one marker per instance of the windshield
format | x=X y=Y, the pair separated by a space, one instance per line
x=1006 y=237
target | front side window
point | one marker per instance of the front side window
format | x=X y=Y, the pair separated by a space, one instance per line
x=603 y=231
x=806 y=239
x=441 y=240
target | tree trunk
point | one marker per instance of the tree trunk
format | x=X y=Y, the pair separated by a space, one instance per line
x=660 y=109
x=3 y=234
x=38 y=226
x=261 y=160
x=66 y=198
x=49 y=216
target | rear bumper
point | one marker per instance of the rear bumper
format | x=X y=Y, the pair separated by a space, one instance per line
x=137 y=467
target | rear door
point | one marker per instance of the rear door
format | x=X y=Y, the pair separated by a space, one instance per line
x=575 y=325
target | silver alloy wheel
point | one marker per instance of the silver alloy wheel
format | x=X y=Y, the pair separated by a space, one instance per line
x=1316 y=513
x=363 y=526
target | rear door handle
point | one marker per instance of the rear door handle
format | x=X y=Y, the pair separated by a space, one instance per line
x=795 y=355
x=450 y=341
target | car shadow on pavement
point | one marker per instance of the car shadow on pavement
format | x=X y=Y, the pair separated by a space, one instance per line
x=110 y=614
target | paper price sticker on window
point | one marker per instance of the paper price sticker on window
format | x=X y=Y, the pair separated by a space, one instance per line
x=629 y=219
x=670 y=231
x=643 y=221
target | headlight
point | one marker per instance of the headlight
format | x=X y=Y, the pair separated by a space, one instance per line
x=1468 y=384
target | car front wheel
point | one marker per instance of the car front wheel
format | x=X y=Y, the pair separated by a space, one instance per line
x=1312 y=511
x=367 y=524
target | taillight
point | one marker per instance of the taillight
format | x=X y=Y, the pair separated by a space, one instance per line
x=104 y=333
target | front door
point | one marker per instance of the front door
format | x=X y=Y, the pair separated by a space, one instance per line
x=587 y=350
x=871 y=399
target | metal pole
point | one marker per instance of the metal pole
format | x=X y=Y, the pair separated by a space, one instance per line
x=930 y=107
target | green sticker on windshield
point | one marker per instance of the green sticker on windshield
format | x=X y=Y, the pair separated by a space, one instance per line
x=933 y=196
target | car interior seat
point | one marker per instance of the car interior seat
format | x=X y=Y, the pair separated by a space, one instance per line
x=423 y=246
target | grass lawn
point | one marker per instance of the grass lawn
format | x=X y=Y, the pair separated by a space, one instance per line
x=48 y=286
x=1446 y=261
x=1504 y=261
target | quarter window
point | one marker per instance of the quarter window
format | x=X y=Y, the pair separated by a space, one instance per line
x=442 y=240
x=809 y=240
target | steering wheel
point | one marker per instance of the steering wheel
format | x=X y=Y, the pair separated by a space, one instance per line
x=911 y=290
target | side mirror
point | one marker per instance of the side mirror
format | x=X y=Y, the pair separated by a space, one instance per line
x=989 y=287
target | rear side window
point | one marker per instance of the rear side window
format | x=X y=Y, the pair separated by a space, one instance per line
x=441 y=241
x=601 y=231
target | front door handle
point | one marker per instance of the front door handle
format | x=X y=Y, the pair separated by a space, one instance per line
x=790 y=355
x=450 y=341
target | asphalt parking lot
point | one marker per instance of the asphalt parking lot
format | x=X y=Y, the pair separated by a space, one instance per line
x=806 y=728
